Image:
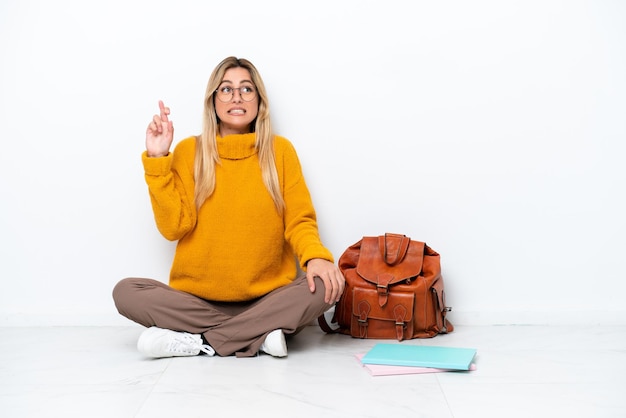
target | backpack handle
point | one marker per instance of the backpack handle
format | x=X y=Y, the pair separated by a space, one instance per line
x=393 y=247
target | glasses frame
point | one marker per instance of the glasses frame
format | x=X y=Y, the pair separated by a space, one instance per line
x=232 y=94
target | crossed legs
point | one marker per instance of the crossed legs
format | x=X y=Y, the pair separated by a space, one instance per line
x=230 y=328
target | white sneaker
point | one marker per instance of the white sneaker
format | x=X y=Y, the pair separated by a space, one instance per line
x=158 y=342
x=275 y=344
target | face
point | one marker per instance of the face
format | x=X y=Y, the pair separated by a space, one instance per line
x=236 y=114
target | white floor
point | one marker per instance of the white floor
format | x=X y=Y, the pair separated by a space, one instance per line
x=522 y=371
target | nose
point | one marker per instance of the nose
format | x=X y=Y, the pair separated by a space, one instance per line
x=237 y=96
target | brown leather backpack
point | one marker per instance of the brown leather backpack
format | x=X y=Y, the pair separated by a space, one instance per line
x=394 y=290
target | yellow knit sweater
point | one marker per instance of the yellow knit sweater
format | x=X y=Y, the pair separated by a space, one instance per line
x=236 y=247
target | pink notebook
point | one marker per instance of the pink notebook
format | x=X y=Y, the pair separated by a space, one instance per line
x=381 y=370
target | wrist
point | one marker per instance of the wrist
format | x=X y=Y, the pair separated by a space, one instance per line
x=157 y=155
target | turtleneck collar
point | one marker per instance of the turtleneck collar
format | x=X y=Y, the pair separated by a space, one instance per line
x=236 y=146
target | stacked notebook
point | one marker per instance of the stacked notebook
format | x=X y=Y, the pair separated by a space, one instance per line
x=388 y=359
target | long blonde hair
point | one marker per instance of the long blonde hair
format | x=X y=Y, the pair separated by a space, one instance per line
x=207 y=157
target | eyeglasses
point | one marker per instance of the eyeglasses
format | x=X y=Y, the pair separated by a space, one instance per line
x=226 y=93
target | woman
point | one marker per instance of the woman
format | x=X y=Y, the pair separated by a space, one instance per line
x=236 y=202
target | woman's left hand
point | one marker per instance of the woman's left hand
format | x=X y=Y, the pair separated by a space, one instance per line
x=330 y=275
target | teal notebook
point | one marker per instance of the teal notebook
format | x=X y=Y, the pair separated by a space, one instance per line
x=420 y=356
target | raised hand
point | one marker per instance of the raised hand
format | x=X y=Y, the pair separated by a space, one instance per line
x=160 y=133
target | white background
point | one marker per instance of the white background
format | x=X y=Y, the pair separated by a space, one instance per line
x=492 y=130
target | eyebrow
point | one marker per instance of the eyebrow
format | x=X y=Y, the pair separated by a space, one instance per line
x=242 y=81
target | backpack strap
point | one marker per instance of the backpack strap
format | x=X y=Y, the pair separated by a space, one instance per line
x=400 y=314
x=321 y=320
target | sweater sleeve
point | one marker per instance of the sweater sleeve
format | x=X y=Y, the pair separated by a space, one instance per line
x=171 y=188
x=301 y=230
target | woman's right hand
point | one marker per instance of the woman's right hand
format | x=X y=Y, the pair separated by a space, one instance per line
x=160 y=133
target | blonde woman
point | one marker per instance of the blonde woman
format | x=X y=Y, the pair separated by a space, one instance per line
x=236 y=202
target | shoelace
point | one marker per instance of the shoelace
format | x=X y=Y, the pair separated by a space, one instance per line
x=187 y=343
